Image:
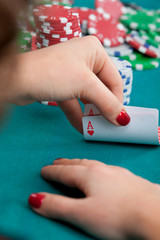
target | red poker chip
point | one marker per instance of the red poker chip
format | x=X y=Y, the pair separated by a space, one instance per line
x=50 y=42
x=139 y=47
x=54 y=104
x=113 y=34
x=62 y=33
x=54 y=25
x=61 y=27
x=58 y=36
x=55 y=13
x=113 y=8
x=84 y=13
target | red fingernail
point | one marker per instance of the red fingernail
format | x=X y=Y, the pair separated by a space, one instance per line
x=58 y=159
x=123 y=118
x=35 y=200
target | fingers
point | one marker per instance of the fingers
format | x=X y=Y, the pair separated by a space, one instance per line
x=108 y=104
x=102 y=65
x=55 y=207
x=110 y=76
x=73 y=112
x=82 y=162
x=72 y=176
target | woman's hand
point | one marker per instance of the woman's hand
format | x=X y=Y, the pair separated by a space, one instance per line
x=117 y=203
x=79 y=68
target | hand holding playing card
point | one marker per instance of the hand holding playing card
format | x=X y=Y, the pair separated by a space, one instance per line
x=79 y=68
x=116 y=205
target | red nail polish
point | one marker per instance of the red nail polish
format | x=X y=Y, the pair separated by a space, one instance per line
x=123 y=118
x=35 y=200
x=58 y=159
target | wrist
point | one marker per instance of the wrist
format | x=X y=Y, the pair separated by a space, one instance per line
x=147 y=215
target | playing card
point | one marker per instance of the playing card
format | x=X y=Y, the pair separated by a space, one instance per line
x=142 y=129
x=91 y=110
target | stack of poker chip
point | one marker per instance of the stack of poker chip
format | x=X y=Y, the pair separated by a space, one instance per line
x=24 y=41
x=126 y=30
x=143 y=35
x=55 y=24
x=126 y=73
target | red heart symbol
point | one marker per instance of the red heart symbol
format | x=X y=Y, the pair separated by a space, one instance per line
x=90 y=132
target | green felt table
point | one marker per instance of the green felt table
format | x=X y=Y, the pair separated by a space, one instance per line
x=35 y=135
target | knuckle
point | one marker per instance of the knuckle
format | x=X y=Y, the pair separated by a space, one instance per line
x=83 y=161
x=92 y=40
x=112 y=107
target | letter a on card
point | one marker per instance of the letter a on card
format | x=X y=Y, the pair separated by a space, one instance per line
x=90 y=128
x=91 y=113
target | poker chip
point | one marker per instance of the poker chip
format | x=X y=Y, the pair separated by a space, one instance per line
x=55 y=24
x=24 y=41
x=62 y=33
x=126 y=101
x=125 y=70
x=47 y=103
x=141 y=62
x=111 y=8
x=144 y=19
x=122 y=50
x=62 y=2
x=150 y=37
x=140 y=45
x=113 y=34
x=132 y=5
x=155 y=36
x=55 y=14
x=84 y=13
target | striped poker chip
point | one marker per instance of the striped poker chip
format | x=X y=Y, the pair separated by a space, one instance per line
x=122 y=50
x=141 y=62
x=60 y=27
x=112 y=8
x=140 y=45
x=125 y=70
x=61 y=33
x=84 y=13
x=126 y=101
x=56 y=14
x=144 y=19
x=49 y=42
x=53 y=37
x=113 y=34
x=151 y=37
x=47 y=103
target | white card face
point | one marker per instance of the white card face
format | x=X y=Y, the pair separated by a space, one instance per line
x=142 y=129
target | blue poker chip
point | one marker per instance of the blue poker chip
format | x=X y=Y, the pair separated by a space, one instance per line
x=120 y=51
x=126 y=73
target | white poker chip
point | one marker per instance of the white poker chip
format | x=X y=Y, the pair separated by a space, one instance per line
x=119 y=51
x=126 y=73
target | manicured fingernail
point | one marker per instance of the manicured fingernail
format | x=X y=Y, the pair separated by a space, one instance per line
x=57 y=159
x=123 y=118
x=35 y=200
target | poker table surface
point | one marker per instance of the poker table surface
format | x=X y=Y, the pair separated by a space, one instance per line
x=33 y=136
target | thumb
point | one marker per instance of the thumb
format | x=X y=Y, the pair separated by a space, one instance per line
x=54 y=206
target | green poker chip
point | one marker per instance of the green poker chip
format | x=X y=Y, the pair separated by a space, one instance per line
x=141 y=20
x=141 y=62
x=150 y=37
x=23 y=41
x=24 y=38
